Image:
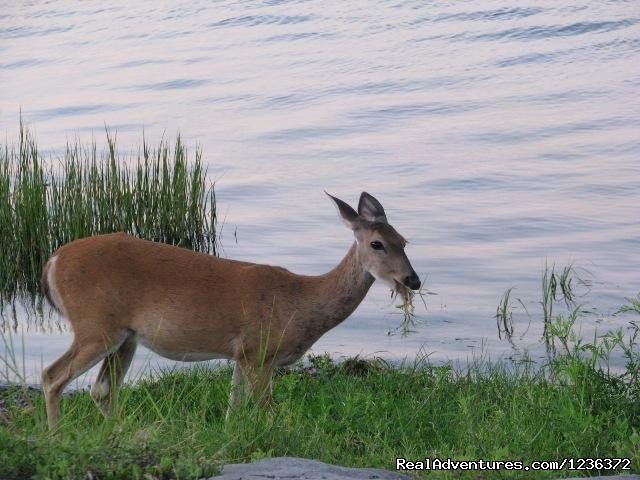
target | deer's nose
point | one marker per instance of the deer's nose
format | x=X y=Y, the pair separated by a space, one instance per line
x=412 y=281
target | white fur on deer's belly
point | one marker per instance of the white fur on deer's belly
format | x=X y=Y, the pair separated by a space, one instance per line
x=179 y=354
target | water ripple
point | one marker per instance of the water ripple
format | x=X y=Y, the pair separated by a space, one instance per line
x=517 y=227
x=516 y=136
x=26 y=62
x=303 y=133
x=406 y=85
x=498 y=14
x=178 y=84
x=559 y=97
x=527 y=58
x=616 y=48
x=72 y=110
x=18 y=32
x=289 y=100
x=414 y=110
x=468 y=184
x=254 y=20
x=549 y=31
x=142 y=62
x=292 y=37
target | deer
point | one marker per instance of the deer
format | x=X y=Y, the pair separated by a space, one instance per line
x=118 y=291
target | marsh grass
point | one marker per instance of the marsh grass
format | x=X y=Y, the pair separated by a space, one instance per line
x=559 y=289
x=504 y=313
x=565 y=346
x=12 y=365
x=159 y=194
x=410 y=318
x=633 y=305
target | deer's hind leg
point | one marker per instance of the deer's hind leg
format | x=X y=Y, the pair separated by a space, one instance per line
x=112 y=372
x=238 y=387
x=250 y=380
x=258 y=379
x=80 y=357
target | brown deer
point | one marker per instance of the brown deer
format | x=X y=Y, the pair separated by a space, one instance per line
x=117 y=291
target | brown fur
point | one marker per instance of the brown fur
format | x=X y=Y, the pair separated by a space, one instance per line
x=117 y=290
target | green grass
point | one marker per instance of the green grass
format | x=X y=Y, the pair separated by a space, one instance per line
x=359 y=414
x=159 y=194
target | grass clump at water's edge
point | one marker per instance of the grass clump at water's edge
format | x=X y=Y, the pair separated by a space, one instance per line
x=160 y=195
x=358 y=413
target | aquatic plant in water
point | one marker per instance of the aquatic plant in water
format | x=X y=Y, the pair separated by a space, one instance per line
x=159 y=194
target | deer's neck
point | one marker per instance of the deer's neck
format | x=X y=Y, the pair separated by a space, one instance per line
x=340 y=291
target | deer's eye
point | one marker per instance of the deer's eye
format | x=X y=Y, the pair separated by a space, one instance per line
x=376 y=245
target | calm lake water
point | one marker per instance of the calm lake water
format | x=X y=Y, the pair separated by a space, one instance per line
x=497 y=135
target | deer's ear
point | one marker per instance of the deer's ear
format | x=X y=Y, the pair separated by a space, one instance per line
x=348 y=215
x=371 y=209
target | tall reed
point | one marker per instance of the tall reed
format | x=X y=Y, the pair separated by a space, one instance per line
x=160 y=195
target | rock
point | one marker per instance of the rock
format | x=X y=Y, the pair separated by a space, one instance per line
x=291 y=468
x=612 y=477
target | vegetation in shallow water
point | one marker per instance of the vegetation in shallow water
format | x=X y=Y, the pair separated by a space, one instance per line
x=160 y=195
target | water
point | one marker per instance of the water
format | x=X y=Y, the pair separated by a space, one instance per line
x=496 y=135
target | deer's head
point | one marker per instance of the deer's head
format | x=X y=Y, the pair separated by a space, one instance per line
x=380 y=248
